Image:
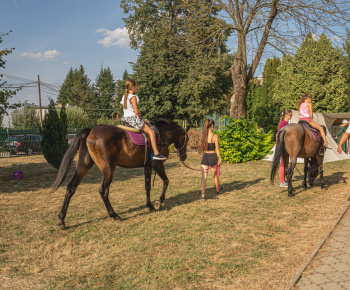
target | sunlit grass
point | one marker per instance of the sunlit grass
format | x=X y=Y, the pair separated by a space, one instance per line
x=252 y=237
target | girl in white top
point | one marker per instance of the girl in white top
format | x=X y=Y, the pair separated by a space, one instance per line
x=133 y=118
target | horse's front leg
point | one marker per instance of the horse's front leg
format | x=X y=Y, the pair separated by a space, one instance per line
x=148 y=174
x=159 y=168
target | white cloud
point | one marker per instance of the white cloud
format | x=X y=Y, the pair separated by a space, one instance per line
x=65 y=62
x=118 y=37
x=50 y=55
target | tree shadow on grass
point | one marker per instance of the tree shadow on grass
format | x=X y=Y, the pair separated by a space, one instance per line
x=194 y=195
x=37 y=176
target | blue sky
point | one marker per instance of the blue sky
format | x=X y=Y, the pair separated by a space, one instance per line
x=50 y=36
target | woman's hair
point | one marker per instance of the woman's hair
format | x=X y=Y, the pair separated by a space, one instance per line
x=204 y=137
x=304 y=97
x=284 y=113
x=129 y=84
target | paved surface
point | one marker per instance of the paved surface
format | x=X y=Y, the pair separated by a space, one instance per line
x=330 y=268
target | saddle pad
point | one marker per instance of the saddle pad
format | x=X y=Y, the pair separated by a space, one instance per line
x=129 y=129
x=137 y=138
x=314 y=133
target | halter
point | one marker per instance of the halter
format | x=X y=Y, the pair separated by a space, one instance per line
x=178 y=149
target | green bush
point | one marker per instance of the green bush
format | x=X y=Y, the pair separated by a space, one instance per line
x=54 y=142
x=242 y=141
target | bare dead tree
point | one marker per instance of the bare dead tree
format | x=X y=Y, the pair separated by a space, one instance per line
x=263 y=26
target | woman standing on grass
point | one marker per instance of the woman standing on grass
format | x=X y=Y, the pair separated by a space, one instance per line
x=210 y=144
x=285 y=117
x=341 y=131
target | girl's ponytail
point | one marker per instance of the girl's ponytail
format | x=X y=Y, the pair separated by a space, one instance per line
x=128 y=86
x=204 y=137
x=302 y=99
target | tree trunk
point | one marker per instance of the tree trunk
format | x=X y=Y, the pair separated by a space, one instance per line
x=240 y=84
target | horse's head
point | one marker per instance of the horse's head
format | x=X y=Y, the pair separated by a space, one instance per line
x=180 y=143
x=174 y=134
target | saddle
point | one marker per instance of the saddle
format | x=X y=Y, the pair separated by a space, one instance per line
x=139 y=137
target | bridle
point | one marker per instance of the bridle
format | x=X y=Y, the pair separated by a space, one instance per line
x=184 y=145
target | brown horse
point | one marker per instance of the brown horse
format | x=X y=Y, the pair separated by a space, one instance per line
x=295 y=141
x=108 y=146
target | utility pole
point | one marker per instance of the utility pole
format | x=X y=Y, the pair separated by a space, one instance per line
x=41 y=117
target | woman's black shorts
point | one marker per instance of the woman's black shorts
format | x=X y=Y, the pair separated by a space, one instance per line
x=209 y=159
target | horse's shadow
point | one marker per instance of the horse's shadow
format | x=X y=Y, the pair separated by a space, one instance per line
x=194 y=195
x=330 y=180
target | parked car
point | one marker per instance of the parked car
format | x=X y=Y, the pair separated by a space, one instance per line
x=23 y=143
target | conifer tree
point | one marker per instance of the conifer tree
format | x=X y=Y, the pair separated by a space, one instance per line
x=317 y=68
x=261 y=106
x=54 y=142
x=65 y=94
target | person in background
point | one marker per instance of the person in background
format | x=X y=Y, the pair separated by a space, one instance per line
x=343 y=140
x=210 y=144
x=341 y=131
x=285 y=117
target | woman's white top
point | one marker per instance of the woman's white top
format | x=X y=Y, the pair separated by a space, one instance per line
x=129 y=111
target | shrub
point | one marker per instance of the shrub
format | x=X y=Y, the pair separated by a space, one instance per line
x=54 y=142
x=241 y=141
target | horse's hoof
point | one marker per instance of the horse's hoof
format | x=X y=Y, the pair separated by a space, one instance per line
x=324 y=187
x=157 y=205
x=291 y=194
x=61 y=226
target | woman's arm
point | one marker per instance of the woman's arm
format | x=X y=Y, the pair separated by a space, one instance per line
x=217 y=148
x=133 y=102
x=309 y=105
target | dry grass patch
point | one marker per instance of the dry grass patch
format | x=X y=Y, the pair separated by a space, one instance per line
x=252 y=237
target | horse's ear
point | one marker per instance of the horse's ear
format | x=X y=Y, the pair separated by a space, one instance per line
x=188 y=128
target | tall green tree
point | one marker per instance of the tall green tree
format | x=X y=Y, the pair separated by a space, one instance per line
x=54 y=142
x=65 y=94
x=182 y=57
x=261 y=106
x=317 y=68
x=25 y=118
x=76 y=88
x=103 y=91
x=6 y=93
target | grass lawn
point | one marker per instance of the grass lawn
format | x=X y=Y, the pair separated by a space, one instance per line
x=252 y=237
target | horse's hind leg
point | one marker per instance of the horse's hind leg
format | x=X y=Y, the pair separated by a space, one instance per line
x=83 y=166
x=104 y=192
x=319 y=159
x=159 y=168
x=306 y=164
x=293 y=162
x=148 y=175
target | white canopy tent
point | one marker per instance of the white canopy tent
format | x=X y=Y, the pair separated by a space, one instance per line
x=326 y=119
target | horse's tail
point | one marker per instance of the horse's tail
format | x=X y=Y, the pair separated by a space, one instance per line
x=68 y=158
x=278 y=154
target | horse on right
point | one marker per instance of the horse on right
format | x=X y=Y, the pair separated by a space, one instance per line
x=296 y=141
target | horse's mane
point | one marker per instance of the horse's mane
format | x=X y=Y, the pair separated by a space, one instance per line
x=165 y=122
